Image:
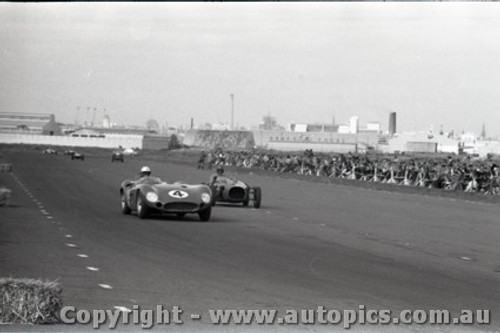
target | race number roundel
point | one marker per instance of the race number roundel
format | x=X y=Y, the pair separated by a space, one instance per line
x=178 y=194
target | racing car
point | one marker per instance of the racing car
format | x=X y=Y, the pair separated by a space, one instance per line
x=49 y=151
x=77 y=156
x=5 y=195
x=149 y=196
x=232 y=190
x=117 y=156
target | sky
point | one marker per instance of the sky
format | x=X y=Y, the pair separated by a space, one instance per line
x=435 y=64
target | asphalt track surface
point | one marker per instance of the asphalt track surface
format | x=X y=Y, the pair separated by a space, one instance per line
x=309 y=244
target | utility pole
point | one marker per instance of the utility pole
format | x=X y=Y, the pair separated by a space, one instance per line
x=77 y=115
x=232 y=111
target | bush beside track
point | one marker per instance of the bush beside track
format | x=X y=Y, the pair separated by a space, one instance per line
x=190 y=157
x=29 y=301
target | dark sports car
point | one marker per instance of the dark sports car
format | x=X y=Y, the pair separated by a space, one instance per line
x=117 y=156
x=236 y=191
x=77 y=156
x=151 y=195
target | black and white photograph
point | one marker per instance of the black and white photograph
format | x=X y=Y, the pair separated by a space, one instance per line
x=250 y=166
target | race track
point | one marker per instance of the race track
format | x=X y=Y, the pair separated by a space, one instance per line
x=309 y=244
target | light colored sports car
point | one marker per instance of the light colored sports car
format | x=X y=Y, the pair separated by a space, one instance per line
x=151 y=195
x=49 y=151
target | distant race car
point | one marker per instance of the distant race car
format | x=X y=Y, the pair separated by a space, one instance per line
x=5 y=195
x=155 y=196
x=49 y=151
x=77 y=156
x=130 y=152
x=118 y=156
x=236 y=191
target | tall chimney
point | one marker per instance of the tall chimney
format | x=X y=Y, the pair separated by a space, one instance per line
x=392 y=123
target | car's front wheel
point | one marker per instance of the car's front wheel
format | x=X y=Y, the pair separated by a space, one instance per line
x=205 y=214
x=142 y=208
x=125 y=207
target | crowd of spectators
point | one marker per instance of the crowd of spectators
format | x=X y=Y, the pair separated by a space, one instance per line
x=452 y=173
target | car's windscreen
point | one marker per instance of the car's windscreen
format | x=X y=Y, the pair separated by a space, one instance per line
x=151 y=181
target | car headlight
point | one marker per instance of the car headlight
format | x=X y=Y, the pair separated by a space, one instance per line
x=205 y=197
x=152 y=197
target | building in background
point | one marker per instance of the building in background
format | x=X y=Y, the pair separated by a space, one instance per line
x=52 y=128
x=24 y=122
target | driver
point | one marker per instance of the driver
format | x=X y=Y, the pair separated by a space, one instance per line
x=219 y=173
x=145 y=175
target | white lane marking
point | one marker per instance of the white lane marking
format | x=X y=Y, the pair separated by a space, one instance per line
x=105 y=286
x=268 y=212
x=122 y=308
x=323 y=224
x=296 y=218
x=93 y=269
x=82 y=255
x=70 y=245
x=68 y=236
x=465 y=258
x=49 y=217
x=44 y=212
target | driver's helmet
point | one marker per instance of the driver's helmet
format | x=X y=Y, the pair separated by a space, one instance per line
x=145 y=171
x=220 y=169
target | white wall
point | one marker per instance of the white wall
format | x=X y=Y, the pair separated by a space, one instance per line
x=112 y=141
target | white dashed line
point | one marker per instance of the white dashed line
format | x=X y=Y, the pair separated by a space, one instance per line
x=82 y=255
x=268 y=212
x=68 y=236
x=70 y=245
x=105 y=286
x=49 y=217
x=295 y=218
x=93 y=269
x=465 y=258
x=122 y=308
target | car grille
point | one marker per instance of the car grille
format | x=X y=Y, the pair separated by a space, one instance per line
x=180 y=206
x=237 y=193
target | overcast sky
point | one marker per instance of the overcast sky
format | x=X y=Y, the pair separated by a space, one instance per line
x=432 y=63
